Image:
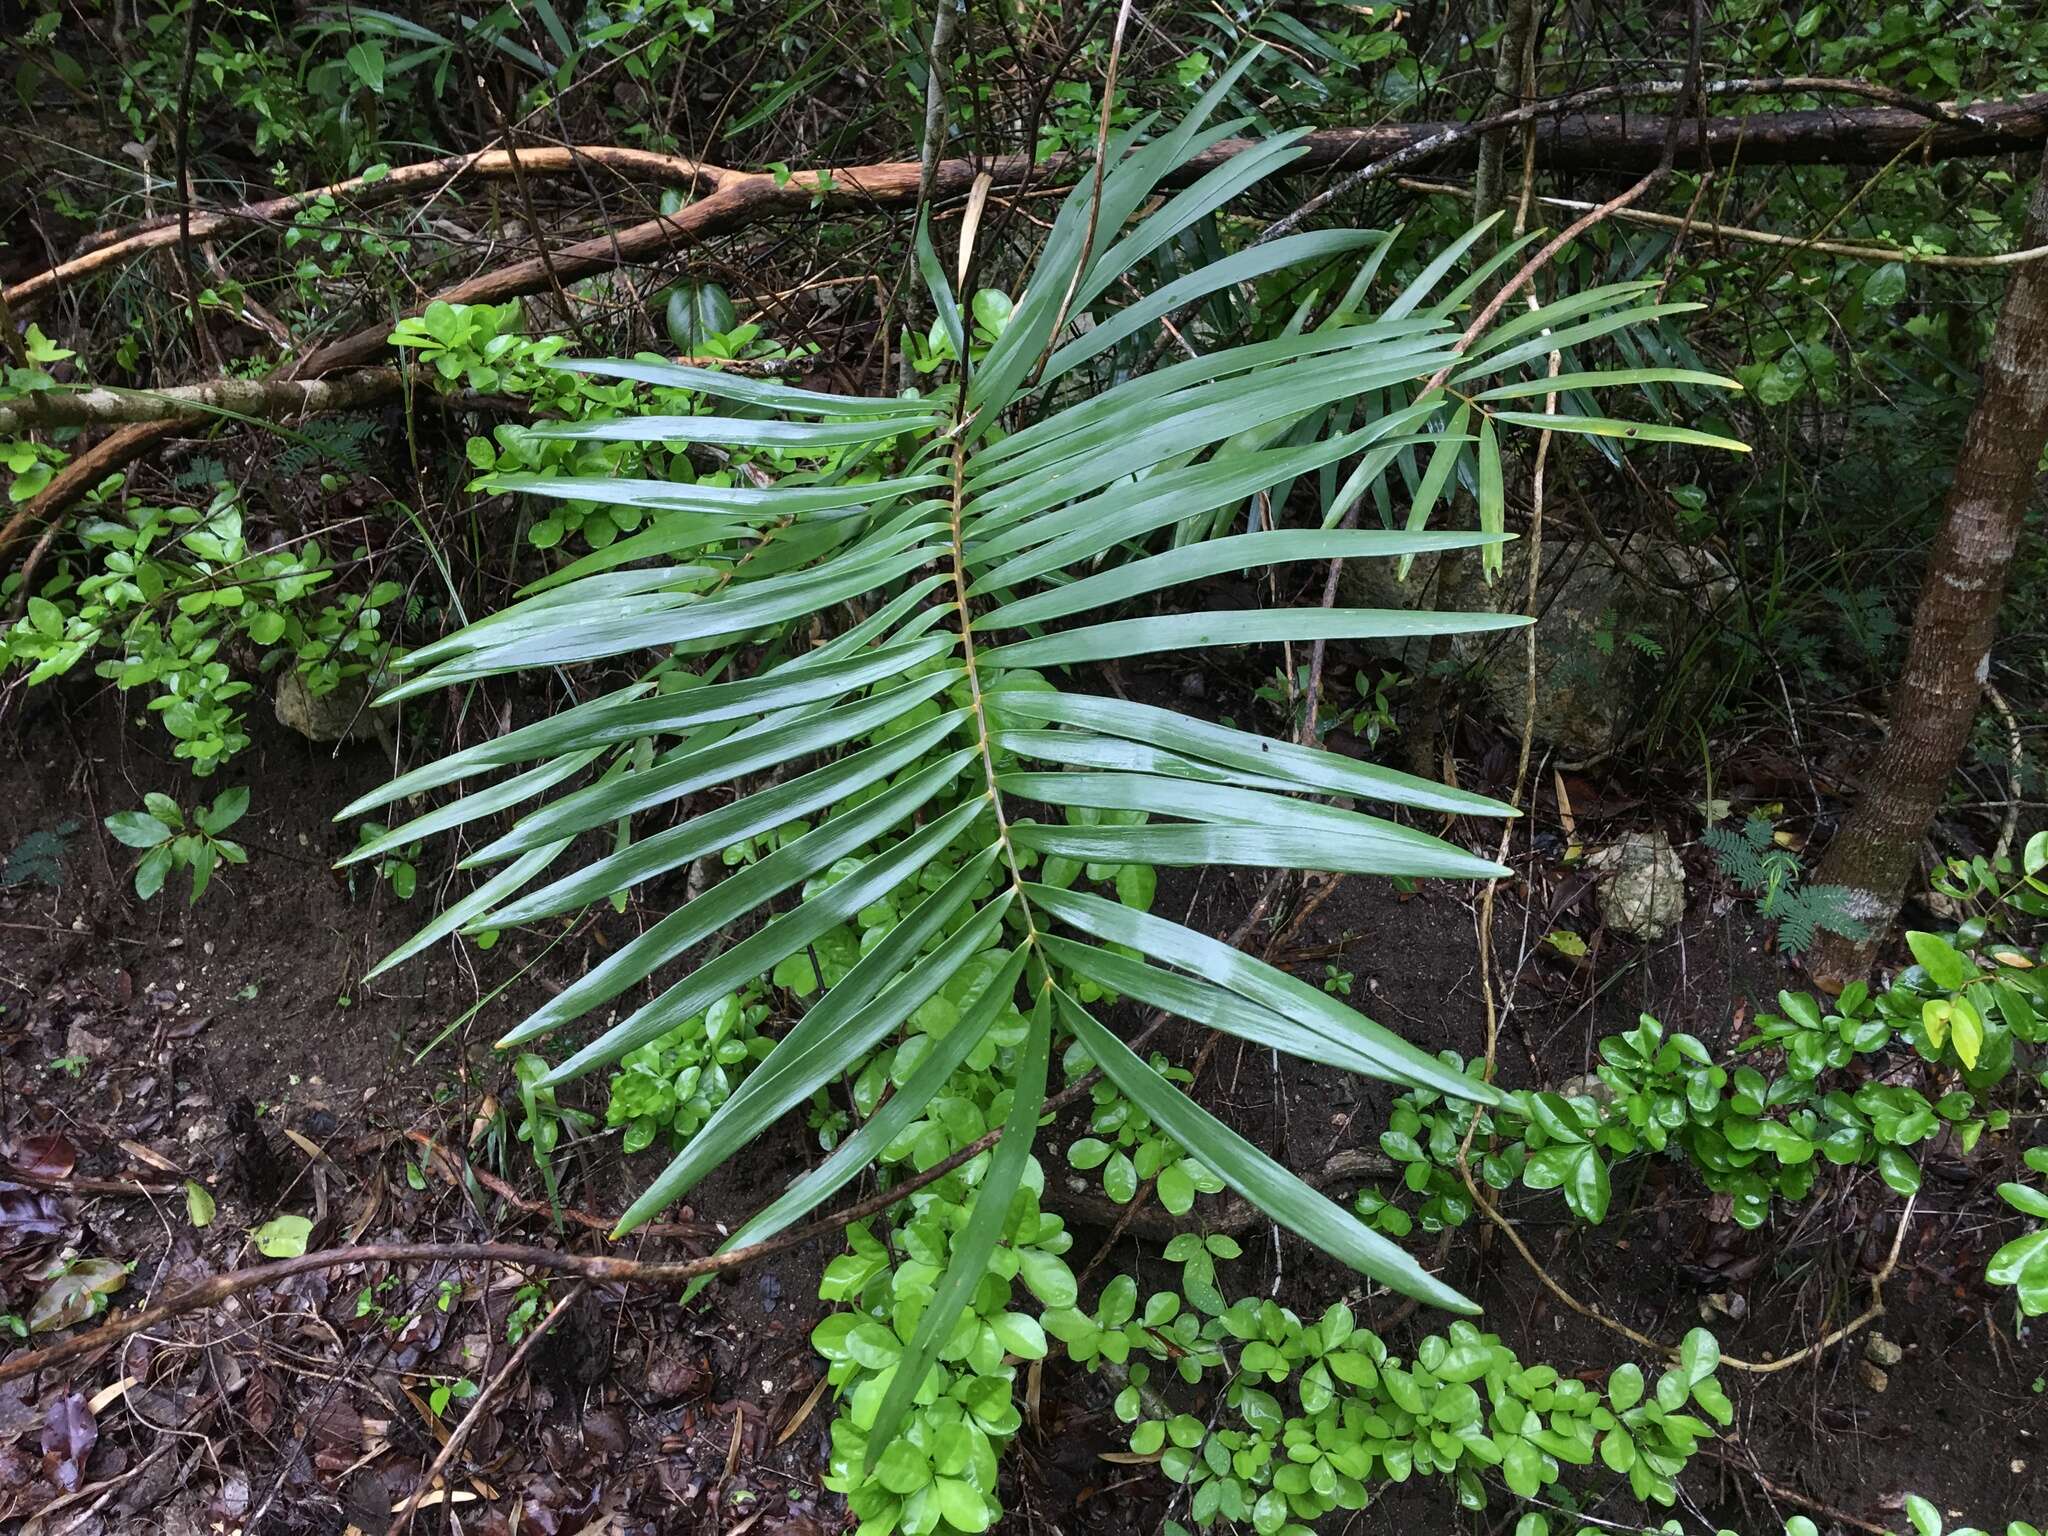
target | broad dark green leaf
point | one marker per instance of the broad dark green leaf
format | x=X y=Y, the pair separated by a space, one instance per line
x=1196 y=562
x=853 y=1154
x=732 y=898
x=736 y=386
x=759 y=953
x=693 y=768
x=1248 y=626
x=835 y=1036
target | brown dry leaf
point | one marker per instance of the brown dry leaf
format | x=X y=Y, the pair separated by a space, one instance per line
x=677 y=1374
x=45 y=1157
x=810 y=1402
x=305 y=1144
x=69 y=1434
x=149 y=1157
x=261 y=1401
x=373 y=1202
x=732 y=1451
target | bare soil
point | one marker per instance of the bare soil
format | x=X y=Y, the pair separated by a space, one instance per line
x=235 y=1043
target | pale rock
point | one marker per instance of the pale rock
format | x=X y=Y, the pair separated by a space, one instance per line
x=343 y=714
x=1641 y=885
x=1604 y=610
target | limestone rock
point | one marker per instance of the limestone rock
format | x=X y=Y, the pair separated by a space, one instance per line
x=341 y=715
x=1606 y=611
x=1642 y=885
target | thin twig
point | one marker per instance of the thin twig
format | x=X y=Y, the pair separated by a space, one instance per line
x=1733 y=232
x=2009 y=828
x=1116 y=50
x=460 y=1434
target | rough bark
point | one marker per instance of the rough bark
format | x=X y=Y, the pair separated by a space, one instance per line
x=1948 y=656
x=265 y=398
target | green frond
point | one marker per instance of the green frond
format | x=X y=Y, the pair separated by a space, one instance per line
x=897 y=722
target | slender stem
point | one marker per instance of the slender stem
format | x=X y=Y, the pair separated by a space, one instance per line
x=977 y=700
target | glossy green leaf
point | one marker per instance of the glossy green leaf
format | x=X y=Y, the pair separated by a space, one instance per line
x=1303 y=767
x=976 y=1241
x=853 y=1154
x=830 y=1040
x=1250 y=626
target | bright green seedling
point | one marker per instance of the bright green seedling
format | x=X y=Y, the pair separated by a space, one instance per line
x=677 y=1082
x=1974 y=1010
x=169 y=844
x=396 y=866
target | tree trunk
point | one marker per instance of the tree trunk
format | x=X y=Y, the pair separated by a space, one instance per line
x=1949 y=655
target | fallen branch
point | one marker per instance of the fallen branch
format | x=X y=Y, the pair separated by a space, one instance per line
x=457 y=1169
x=1569 y=137
x=184 y=403
x=116 y=451
x=1701 y=227
x=1566 y=137
x=117 y=247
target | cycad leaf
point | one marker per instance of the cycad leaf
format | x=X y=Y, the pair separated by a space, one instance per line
x=694 y=768
x=697 y=920
x=1194 y=562
x=512 y=878
x=1254 y=1175
x=746 y=817
x=1220 y=1009
x=732 y=431
x=853 y=1154
x=1253 y=979
x=975 y=1243
x=1441 y=462
x=1634 y=431
x=1248 y=626
x=1302 y=768
x=1492 y=496
x=1254 y=262
x=629 y=714
x=943 y=303
x=1612 y=379
x=736 y=386
x=835 y=1036
x=1365 y=844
